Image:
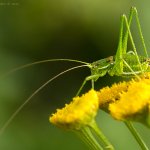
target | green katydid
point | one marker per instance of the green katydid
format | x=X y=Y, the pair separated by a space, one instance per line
x=124 y=63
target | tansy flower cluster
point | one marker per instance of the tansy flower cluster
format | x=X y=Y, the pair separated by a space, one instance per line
x=128 y=100
x=109 y=95
x=79 y=116
x=124 y=101
x=133 y=104
x=80 y=112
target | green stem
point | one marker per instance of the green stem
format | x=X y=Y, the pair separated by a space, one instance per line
x=86 y=140
x=136 y=135
x=89 y=139
x=101 y=136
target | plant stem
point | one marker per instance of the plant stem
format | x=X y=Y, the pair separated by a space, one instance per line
x=89 y=139
x=101 y=136
x=136 y=135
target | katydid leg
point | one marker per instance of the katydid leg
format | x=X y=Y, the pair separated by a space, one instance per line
x=92 y=78
x=132 y=42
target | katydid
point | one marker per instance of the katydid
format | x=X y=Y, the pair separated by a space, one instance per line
x=124 y=63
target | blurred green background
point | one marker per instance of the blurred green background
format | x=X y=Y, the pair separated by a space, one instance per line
x=33 y=30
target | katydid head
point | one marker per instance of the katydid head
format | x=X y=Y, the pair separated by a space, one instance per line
x=101 y=67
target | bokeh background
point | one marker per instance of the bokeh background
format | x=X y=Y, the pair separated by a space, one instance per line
x=34 y=30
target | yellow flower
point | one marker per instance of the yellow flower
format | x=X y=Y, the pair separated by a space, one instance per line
x=128 y=100
x=134 y=103
x=80 y=112
x=108 y=95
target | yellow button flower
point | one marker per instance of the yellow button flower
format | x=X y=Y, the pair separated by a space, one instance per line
x=80 y=112
x=109 y=95
x=128 y=100
x=134 y=104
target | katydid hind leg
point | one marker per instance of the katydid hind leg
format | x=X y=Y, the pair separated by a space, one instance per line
x=140 y=31
x=133 y=12
x=123 y=41
x=132 y=42
x=118 y=66
x=125 y=38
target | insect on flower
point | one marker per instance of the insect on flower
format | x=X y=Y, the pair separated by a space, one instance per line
x=124 y=63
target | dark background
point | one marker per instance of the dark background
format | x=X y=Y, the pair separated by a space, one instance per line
x=34 y=30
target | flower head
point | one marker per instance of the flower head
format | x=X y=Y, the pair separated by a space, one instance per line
x=80 y=112
x=134 y=103
x=109 y=95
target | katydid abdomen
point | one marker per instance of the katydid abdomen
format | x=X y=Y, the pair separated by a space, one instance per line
x=135 y=66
